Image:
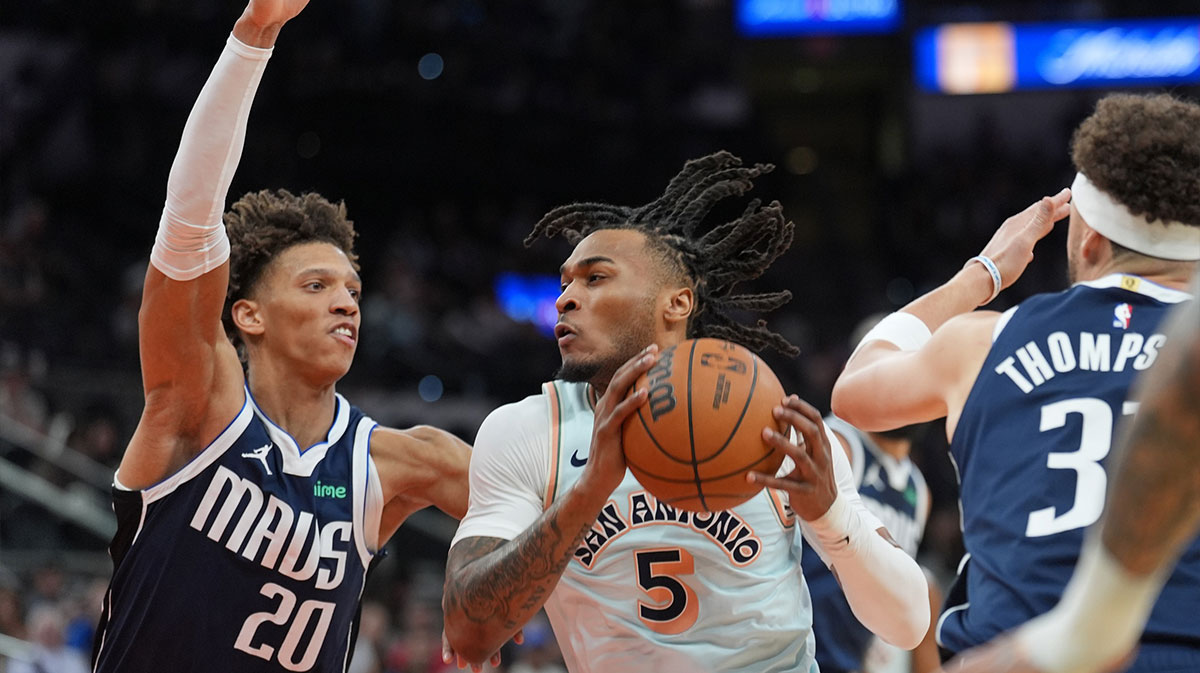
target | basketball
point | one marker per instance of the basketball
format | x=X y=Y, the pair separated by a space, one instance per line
x=692 y=443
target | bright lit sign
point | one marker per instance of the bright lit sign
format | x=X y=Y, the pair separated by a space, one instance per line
x=998 y=57
x=781 y=18
x=529 y=298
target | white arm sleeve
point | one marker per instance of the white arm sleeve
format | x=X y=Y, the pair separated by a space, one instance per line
x=191 y=239
x=885 y=587
x=509 y=468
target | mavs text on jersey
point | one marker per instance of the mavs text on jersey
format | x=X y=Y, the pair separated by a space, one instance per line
x=286 y=534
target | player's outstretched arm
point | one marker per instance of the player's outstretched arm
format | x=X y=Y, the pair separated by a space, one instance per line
x=419 y=467
x=1153 y=511
x=494 y=586
x=884 y=586
x=190 y=372
x=892 y=378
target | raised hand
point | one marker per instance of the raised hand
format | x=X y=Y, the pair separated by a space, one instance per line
x=810 y=485
x=273 y=12
x=1011 y=247
x=261 y=20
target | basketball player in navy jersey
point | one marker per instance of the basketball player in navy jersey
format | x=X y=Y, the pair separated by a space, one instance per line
x=556 y=518
x=251 y=501
x=1031 y=396
x=1153 y=512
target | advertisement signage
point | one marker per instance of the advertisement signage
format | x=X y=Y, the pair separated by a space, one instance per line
x=782 y=18
x=999 y=57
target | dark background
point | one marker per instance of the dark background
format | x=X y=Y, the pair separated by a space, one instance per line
x=539 y=103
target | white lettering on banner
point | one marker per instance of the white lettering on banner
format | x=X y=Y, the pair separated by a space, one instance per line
x=1117 y=53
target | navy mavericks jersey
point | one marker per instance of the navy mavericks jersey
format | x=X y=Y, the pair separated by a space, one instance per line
x=1030 y=449
x=895 y=491
x=250 y=558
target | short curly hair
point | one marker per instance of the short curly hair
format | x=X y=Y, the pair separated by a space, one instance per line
x=263 y=224
x=1144 y=151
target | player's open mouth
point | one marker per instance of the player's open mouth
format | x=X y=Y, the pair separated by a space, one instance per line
x=563 y=334
x=345 y=334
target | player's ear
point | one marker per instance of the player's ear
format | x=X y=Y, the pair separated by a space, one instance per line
x=1094 y=248
x=247 y=316
x=680 y=302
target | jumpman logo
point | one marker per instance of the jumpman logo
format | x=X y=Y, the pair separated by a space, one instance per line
x=261 y=454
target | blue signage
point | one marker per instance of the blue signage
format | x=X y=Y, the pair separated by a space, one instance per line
x=780 y=18
x=997 y=57
x=529 y=298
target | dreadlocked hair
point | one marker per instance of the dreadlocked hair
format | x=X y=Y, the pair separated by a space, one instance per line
x=263 y=224
x=716 y=261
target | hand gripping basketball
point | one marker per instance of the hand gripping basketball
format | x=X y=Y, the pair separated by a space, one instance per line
x=700 y=431
x=606 y=460
x=810 y=485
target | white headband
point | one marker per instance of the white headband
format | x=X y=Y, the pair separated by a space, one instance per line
x=1165 y=240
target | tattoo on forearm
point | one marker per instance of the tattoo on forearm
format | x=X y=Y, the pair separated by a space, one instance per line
x=509 y=585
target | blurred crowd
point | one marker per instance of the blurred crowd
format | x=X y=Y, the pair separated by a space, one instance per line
x=444 y=169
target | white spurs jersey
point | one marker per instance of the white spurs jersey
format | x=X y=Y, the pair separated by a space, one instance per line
x=651 y=588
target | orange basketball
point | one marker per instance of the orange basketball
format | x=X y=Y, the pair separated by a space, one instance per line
x=693 y=441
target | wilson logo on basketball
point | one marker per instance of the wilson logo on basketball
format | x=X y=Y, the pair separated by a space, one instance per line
x=662 y=391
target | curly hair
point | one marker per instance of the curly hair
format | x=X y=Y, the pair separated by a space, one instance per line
x=714 y=262
x=263 y=224
x=1144 y=151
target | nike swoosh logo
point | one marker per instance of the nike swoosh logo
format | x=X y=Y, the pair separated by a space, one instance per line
x=576 y=461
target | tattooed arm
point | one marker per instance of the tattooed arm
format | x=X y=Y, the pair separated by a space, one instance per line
x=495 y=584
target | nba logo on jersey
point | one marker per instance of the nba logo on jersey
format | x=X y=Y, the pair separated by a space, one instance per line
x=1121 y=315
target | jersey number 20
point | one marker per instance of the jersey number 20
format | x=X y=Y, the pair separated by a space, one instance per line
x=320 y=610
x=1091 y=480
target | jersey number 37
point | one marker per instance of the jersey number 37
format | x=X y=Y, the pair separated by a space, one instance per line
x=1091 y=480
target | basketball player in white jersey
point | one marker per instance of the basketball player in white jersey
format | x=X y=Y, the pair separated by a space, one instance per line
x=556 y=519
x=252 y=496
x=1153 y=512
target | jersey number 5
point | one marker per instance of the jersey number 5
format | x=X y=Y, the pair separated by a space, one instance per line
x=657 y=571
x=1091 y=480
x=323 y=612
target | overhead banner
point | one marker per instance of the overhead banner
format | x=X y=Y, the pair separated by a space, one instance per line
x=782 y=18
x=970 y=58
